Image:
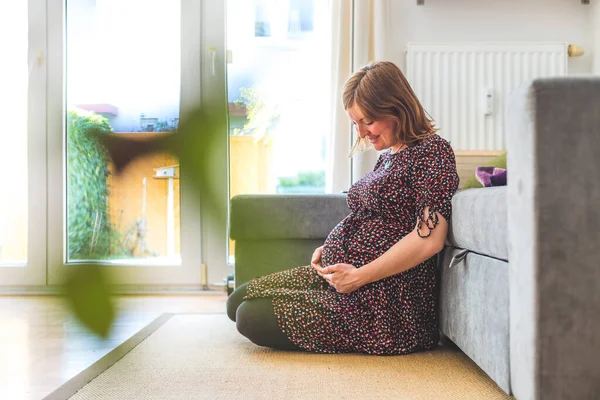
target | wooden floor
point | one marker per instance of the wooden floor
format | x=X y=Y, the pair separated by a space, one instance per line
x=41 y=346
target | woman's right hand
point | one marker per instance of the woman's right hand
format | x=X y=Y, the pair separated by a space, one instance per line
x=315 y=261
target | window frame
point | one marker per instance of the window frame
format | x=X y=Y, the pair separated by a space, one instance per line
x=33 y=272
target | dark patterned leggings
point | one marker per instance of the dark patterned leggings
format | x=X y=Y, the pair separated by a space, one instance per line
x=256 y=320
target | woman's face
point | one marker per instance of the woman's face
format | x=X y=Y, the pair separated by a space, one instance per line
x=379 y=133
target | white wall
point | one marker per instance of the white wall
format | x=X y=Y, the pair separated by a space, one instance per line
x=595 y=25
x=494 y=20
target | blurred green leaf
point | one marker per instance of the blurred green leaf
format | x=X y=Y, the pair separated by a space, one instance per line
x=87 y=292
x=194 y=143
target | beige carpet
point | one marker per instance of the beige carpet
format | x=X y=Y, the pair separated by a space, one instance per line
x=203 y=357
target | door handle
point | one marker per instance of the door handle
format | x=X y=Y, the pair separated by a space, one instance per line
x=213 y=60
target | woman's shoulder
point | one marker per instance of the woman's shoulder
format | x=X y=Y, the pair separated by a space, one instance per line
x=433 y=146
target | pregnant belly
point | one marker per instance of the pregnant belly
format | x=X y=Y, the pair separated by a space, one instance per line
x=360 y=245
x=333 y=249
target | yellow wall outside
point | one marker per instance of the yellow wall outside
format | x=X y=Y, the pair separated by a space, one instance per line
x=250 y=174
x=250 y=166
x=250 y=169
x=125 y=203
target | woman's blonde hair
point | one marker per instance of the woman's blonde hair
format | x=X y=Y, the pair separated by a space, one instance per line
x=381 y=91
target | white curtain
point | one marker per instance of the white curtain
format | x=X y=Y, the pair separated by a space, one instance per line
x=359 y=37
x=339 y=141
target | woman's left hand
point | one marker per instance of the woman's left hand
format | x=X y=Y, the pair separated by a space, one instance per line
x=344 y=278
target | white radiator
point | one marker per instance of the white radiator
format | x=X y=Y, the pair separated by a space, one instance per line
x=464 y=86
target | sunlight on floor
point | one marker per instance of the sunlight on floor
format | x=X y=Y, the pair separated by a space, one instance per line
x=14 y=376
x=42 y=346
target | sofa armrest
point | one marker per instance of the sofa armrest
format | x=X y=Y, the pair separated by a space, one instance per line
x=554 y=240
x=286 y=216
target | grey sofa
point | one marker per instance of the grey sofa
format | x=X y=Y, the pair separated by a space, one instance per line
x=520 y=275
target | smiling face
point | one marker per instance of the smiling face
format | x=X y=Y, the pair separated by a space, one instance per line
x=397 y=119
x=380 y=133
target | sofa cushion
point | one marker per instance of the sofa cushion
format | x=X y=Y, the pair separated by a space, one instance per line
x=498 y=162
x=479 y=221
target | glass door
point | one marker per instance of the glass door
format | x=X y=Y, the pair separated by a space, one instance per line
x=22 y=144
x=278 y=92
x=123 y=78
x=126 y=72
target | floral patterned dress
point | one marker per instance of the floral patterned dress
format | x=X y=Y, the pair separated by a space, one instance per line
x=395 y=315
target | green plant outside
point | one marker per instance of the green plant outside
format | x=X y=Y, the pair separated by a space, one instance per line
x=90 y=234
x=260 y=116
x=304 y=178
x=161 y=126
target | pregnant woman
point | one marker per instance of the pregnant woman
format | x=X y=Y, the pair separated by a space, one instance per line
x=371 y=288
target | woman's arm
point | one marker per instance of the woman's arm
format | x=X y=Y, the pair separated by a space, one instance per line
x=408 y=252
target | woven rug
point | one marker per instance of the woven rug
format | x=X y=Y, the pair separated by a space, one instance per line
x=199 y=356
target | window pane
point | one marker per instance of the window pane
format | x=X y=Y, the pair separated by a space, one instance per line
x=13 y=136
x=278 y=92
x=123 y=76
